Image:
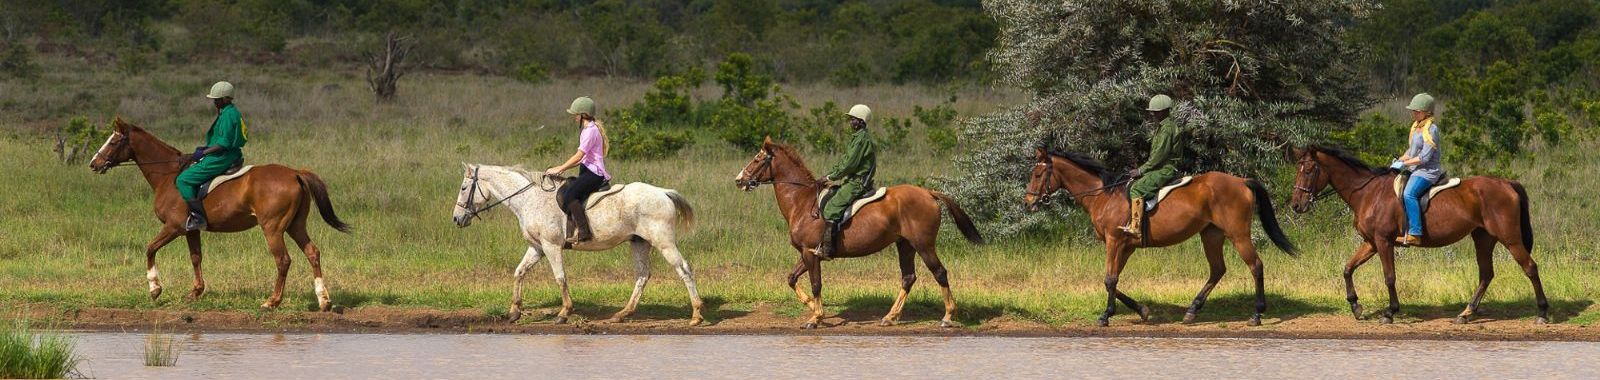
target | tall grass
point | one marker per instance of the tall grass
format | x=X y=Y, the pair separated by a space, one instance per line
x=160 y=349
x=28 y=354
x=393 y=171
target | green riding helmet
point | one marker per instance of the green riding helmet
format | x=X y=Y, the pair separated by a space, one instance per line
x=1422 y=103
x=860 y=111
x=582 y=105
x=1159 y=103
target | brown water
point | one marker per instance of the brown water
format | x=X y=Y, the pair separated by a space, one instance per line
x=338 y=356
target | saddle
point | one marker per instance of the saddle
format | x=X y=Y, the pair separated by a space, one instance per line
x=236 y=171
x=1400 y=188
x=606 y=190
x=1162 y=194
x=854 y=207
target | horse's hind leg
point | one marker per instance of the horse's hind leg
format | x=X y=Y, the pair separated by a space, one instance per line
x=193 y=238
x=681 y=265
x=908 y=276
x=1247 y=251
x=162 y=239
x=314 y=258
x=1363 y=253
x=930 y=257
x=1484 y=243
x=528 y=259
x=641 y=270
x=1211 y=238
x=280 y=254
x=1525 y=259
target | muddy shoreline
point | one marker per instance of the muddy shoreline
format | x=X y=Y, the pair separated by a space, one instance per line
x=762 y=321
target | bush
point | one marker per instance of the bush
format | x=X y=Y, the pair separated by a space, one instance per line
x=746 y=126
x=16 y=60
x=73 y=140
x=630 y=138
x=531 y=72
x=1376 y=138
x=135 y=61
x=939 y=123
x=894 y=135
x=825 y=129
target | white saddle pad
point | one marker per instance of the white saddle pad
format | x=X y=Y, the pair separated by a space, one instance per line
x=228 y=177
x=859 y=203
x=1162 y=194
x=598 y=195
x=1400 y=188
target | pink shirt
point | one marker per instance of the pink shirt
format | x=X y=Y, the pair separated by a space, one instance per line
x=594 y=151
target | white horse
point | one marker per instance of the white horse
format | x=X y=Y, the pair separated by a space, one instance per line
x=645 y=215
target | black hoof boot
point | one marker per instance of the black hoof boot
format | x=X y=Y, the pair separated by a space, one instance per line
x=1255 y=320
x=1356 y=310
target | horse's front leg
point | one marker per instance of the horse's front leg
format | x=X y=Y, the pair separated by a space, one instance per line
x=1386 y=255
x=532 y=256
x=557 y=268
x=1116 y=257
x=1363 y=253
x=167 y=234
x=814 y=270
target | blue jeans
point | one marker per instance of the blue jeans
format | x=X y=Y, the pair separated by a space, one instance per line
x=1416 y=187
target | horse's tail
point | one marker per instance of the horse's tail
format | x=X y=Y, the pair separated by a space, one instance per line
x=685 y=212
x=1269 y=217
x=1527 y=221
x=963 y=223
x=319 y=192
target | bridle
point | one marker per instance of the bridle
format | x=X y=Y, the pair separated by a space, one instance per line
x=765 y=167
x=1043 y=196
x=1315 y=172
x=118 y=141
x=473 y=191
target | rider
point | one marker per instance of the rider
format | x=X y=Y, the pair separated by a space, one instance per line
x=221 y=152
x=592 y=175
x=1422 y=156
x=854 y=174
x=1166 y=153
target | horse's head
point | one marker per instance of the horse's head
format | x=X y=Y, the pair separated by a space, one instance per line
x=1042 y=182
x=472 y=198
x=1309 y=179
x=117 y=148
x=759 y=170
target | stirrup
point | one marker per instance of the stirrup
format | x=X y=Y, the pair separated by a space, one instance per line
x=194 y=223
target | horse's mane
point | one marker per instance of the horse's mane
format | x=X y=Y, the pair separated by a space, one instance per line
x=134 y=129
x=789 y=152
x=1349 y=158
x=1089 y=164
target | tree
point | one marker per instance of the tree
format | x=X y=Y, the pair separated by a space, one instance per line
x=388 y=65
x=1253 y=78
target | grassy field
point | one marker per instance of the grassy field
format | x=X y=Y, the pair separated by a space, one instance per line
x=73 y=239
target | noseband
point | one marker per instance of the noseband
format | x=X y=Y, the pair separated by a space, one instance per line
x=473 y=192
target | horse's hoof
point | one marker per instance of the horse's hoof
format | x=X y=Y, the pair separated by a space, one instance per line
x=885 y=322
x=561 y=320
x=1144 y=313
x=336 y=309
x=513 y=315
x=1103 y=322
x=809 y=326
x=1357 y=311
x=946 y=324
x=1386 y=320
x=155 y=293
x=1188 y=318
x=696 y=321
x=1255 y=320
x=195 y=294
x=1460 y=320
x=614 y=320
x=327 y=307
x=1540 y=321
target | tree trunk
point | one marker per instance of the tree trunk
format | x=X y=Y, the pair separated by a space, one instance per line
x=386 y=67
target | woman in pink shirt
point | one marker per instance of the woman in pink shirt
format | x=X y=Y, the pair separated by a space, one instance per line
x=591 y=163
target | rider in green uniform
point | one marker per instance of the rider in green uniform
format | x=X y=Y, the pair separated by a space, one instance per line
x=221 y=152
x=854 y=174
x=1166 y=152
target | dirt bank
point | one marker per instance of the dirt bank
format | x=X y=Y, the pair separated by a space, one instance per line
x=763 y=321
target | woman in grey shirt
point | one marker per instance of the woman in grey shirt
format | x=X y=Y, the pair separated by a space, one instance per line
x=1422 y=156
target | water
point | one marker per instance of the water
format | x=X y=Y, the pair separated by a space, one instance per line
x=338 y=356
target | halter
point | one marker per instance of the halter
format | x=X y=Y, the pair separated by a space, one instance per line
x=473 y=192
x=118 y=142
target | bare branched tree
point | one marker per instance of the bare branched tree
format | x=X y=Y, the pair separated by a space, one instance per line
x=385 y=67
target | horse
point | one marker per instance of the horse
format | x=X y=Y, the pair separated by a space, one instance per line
x=1215 y=205
x=1491 y=210
x=908 y=217
x=643 y=215
x=275 y=197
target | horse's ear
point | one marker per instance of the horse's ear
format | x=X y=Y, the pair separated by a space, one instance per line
x=766 y=141
x=1040 y=154
x=119 y=125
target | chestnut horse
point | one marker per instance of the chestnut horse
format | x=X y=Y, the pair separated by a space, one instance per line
x=276 y=197
x=1214 y=205
x=908 y=217
x=1491 y=210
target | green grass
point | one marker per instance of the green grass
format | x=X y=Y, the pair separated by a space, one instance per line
x=74 y=239
x=160 y=349
x=28 y=354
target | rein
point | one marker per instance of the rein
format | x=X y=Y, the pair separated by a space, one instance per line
x=124 y=141
x=766 y=167
x=473 y=191
x=1316 y=169
x=1049 y=176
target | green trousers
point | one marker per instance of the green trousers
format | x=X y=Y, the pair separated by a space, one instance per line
x=1147 y=186
x=846 y=194
x=201 y=172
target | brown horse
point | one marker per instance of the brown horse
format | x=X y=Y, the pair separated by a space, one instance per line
x=908 y=217
x=275 y=197
x=1491 y=210
x=1215 y=205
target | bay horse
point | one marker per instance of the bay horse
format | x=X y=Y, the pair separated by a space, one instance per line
x=1491 y=210
x=1215 y=205
x=645 y=216
x=275 y=197
x=908 y=217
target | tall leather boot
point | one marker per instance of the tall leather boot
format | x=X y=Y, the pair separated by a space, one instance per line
x=580 y=223
x=1135 y=219
x=830 y=240
x=197 y=216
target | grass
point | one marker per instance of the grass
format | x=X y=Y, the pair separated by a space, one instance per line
x=160 y=349
x=27 y=354
x=75 y=239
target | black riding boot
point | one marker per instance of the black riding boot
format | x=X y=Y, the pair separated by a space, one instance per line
x=580 y=223
x=830 y=240
x=197 y=216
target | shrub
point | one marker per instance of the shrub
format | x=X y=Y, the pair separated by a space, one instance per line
x=630 y=138
x=73 y=140
x=746 y=126
x=825 y=129
x=939 y=123
x=894 y=135
x=16 y=60
x=1377 y=138
x=531 y=72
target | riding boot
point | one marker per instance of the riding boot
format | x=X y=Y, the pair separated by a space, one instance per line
x=1408 y=240
x=197 y=216
x=580 y=223
x=1135 y=219
x=829 y=242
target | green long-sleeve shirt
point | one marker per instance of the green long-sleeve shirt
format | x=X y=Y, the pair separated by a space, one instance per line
x=227 y=132
x=1166 y=149
x=859 y=159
